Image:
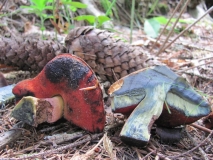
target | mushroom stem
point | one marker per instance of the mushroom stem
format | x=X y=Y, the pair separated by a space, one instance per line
x=35 y=111
x=136 y=130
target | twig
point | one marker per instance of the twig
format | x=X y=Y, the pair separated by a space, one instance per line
x=172 y=29
x=201 y=128
x=204 y=58
x=191 y=150
x=203 y=154
x=3 y=4
x=9 y=30
x=14 y=22
x=201 y=76
x=193 y=46
x=47 y=129
x=115 y=77
x=60 y=138
x=193 y=67
x=46 y=153
x=151 y=152
x=158 y=154
x=127 y=16
x=11 y=135
x=90 y=152
x=164 y=28
x=181 y=33
x=23 y=18
x=138 y=153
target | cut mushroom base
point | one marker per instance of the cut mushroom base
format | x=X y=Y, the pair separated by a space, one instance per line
x=34 y=111
x=152 y=95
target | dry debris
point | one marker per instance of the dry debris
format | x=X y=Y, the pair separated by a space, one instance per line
x=191 y=56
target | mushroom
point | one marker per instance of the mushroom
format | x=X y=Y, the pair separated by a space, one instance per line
x=71 y=78
x=155 y=94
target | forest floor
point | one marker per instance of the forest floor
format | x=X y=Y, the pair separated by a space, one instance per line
x=190 y=56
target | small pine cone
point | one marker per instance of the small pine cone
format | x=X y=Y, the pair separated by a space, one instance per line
x=28 y=52
x=109 y=57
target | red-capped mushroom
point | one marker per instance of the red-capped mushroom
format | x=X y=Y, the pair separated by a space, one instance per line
x=71 y=78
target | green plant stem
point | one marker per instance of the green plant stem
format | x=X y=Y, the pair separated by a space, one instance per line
x=42 y=26
x=67 y=15
x=152 y=7
x=54 y=5
x=132 y=19
x=110 y=7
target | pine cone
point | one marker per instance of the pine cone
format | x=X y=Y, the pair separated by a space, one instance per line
x=28 y=52
x=109 y=57
x=106 y=55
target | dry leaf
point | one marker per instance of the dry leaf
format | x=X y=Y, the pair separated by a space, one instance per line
x=30 y=28
x=108 y=146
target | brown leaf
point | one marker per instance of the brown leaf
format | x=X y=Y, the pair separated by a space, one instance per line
x=108 y=146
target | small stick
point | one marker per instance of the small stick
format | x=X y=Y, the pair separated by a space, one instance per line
x=90 y=152
x=138 y=153
x=164 y=28
x=201 y=76
x=204 y=58
x=51 y=128
x=193 y=67
x=181 y=33
x=151 y=152
x=3 y=4
x=191 y=150
x=172 y=29
x=75 y=144
x=115 y=77
x=62 y=137
x=201 y=128
x=127 y=16
x=193 y=46
x=203 y=154
x=158 y=154
x=10 y=135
